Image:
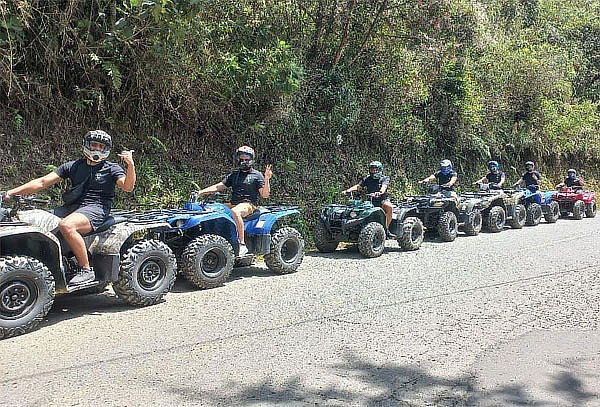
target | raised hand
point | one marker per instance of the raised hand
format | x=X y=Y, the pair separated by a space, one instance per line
x=127 y=157
x=268 y=171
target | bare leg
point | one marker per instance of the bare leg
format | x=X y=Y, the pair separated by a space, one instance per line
x=388 y=209
x=72 y=227
x=239 y=223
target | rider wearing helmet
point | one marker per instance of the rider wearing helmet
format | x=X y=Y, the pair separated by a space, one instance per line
x=89 y=200
x=531 y=178
x=572 y=180
x=246 y=184
x=376 y=184
x=446 y=177
x=495 y=178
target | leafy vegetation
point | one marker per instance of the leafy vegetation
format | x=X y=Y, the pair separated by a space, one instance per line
x=319 y=87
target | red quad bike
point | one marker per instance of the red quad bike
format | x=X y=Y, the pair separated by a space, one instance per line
x=576 y=201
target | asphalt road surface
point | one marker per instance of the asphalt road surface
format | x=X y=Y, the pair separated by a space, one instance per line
x=498 y=319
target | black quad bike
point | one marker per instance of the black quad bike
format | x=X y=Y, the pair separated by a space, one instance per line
x=443 y=213
x=36 y=263
x=359 y=221
x=499 y=208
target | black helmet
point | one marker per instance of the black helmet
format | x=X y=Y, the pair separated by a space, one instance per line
x=96 y=136
x=245 y=164
x=493 y=165
x=378 y=166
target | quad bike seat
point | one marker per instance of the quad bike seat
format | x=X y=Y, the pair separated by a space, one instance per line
x=257 y=213
x=108 y=222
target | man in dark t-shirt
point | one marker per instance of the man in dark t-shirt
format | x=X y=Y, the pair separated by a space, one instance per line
x=572 y=180
x=246 y=184
x=494 y=178
x=377 y=184
x=93 y=181
x=446 y=177
x=531 y=178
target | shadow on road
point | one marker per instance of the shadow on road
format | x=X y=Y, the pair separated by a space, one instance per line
x=74 y=306
x=364 y=383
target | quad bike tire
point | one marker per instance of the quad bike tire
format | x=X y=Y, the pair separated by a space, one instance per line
x=371 y=240
x=553 y=212
x=496 y=219
x=534 y=214
x=448 y=226
x=590 y=210
x=147 y=273
x=474 y=223
x=208 y=261
x=26 y=294
x=578 y=210
x=323 y=240
x=519 y=218
x=413 y=233
x=287 y=251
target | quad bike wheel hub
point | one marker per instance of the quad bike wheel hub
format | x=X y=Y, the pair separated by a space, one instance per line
x=15 y=297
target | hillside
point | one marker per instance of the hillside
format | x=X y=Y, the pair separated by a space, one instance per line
x=318 y=87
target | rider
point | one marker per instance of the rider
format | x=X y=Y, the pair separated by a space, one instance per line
x=90 y=199
x=572 y=180
x=446 y=177
x=246 y=183
x=495 y=178
x=531 y=178
x=377 y=184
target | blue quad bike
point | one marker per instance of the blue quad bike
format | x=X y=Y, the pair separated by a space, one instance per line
x=539 y=203
x=204 y=239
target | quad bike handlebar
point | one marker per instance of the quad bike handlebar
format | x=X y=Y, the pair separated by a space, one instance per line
x=208 y=198
x=21 y=202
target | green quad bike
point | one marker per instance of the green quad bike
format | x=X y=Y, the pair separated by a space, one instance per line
x=499 y=208
x=36 y=263
x=439 y=211
x=359 y=221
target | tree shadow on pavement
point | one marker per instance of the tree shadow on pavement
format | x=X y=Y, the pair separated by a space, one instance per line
x=361 y=382
x=568 y=384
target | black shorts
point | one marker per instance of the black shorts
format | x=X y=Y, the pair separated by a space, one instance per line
x=379 y=201
x=96 y=214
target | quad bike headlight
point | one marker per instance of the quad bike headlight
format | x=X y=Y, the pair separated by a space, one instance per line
x=353 y=214
x=437 y=203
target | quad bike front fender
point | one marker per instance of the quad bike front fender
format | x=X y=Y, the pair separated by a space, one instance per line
x=31 y=241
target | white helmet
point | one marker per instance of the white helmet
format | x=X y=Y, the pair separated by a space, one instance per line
x=96 y=136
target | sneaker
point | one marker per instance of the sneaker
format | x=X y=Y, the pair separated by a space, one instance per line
x=243 y=250
x=83 y=275
x=389 y=235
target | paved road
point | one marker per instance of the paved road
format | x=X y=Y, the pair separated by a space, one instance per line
x=499 y=319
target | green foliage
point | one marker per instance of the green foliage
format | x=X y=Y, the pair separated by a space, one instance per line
x=319 y=87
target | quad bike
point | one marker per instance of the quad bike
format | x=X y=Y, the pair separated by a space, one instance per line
x=36 y=263
x=440 y=211
x=550 y=208
x=498 y=208
x=538 y=203
x=359 y=221
x=204 y=237
x=577 y=201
